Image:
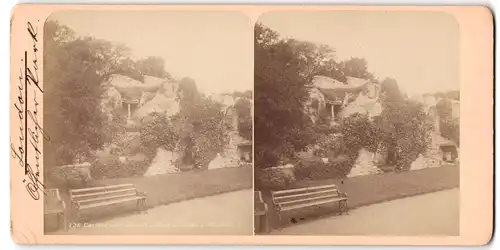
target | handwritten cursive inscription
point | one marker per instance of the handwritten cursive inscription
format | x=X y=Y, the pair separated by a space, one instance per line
x=31 y=132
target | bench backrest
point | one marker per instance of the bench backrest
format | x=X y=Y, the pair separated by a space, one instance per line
x=85 y=196
x=309 y=194
x=259 y=206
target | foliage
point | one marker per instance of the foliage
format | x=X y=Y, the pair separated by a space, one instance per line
x=274 y=178
x=284 y=68
x=244 y=112
x=281 y=128
x=316 y=169
x=390 y=90
x=210 y=133
x=323 y=125
x=448 y=125
x=450 y=129
x=356 y=67
x=157 y=131
x=201 y=124
x=358 y=132
x=403 y=126
x=152 y=66
x=110 y=166
x=246 y=94
x=187 y=95
x=74 y=69
x=328 y=145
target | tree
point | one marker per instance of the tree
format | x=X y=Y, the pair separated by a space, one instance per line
x=390 y=90
x=246 y=94
x=244 y=112
x=157 y=131
x=404 y=130
x=187 y=95
x=449 y=127
x=332 y=69
x=281 y=126
x=128 y=67
x=152 y=66
x=356 y=67
x=74 y=70
x=210 y=131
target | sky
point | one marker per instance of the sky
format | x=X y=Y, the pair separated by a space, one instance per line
x=213 y=48
x=419 y=49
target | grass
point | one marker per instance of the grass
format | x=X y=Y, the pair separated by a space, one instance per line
x=371 y=189
x=169 y=188
x=176 y=187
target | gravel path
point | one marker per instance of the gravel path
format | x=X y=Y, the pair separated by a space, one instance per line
x=429 y=214
x=224 y=214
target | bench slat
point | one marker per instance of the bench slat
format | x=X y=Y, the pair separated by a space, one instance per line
x=277 y=199
x=308 y=199
x=312 y=204
x=102 y=193
x=107 y=198
x=111 y=202
x=81 y=190
x=302 y=189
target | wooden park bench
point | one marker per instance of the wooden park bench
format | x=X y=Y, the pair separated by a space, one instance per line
x=260 y=213
x=98 y=197
x=54 y=207
x=286 y=200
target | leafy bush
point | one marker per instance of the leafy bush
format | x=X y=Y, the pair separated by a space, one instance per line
x=328 y=145
x=403 y=125
x=274 y=178
x=244 y=112
x=316 y=169
x=110 y=167
x=210 y=133
x=450 y=129
x=157 y=131
x=358 y=132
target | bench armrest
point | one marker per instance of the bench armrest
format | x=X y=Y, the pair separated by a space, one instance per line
x=141 y=194
x=343 y=195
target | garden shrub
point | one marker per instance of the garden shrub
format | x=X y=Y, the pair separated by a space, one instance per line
x=274 y=178
x=68 y=177
x=110 y=167
x=316 y=169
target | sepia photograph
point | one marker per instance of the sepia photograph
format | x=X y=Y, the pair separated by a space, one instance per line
x=251 y=124
x=149 y=115
x=357 y=123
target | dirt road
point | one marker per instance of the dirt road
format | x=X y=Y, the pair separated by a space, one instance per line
x=429 y=214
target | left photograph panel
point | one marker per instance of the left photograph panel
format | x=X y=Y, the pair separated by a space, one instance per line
x=150 y=121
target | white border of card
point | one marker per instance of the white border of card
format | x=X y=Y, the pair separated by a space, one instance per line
x=27 y=137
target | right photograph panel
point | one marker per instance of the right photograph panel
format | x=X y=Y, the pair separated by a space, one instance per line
x=356 y=127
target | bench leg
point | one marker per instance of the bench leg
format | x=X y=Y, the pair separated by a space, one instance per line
x=265 y=223
x=140 y=204
x=278 y=218
x=62 y=221
x=343 y=206
x=76 y=215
